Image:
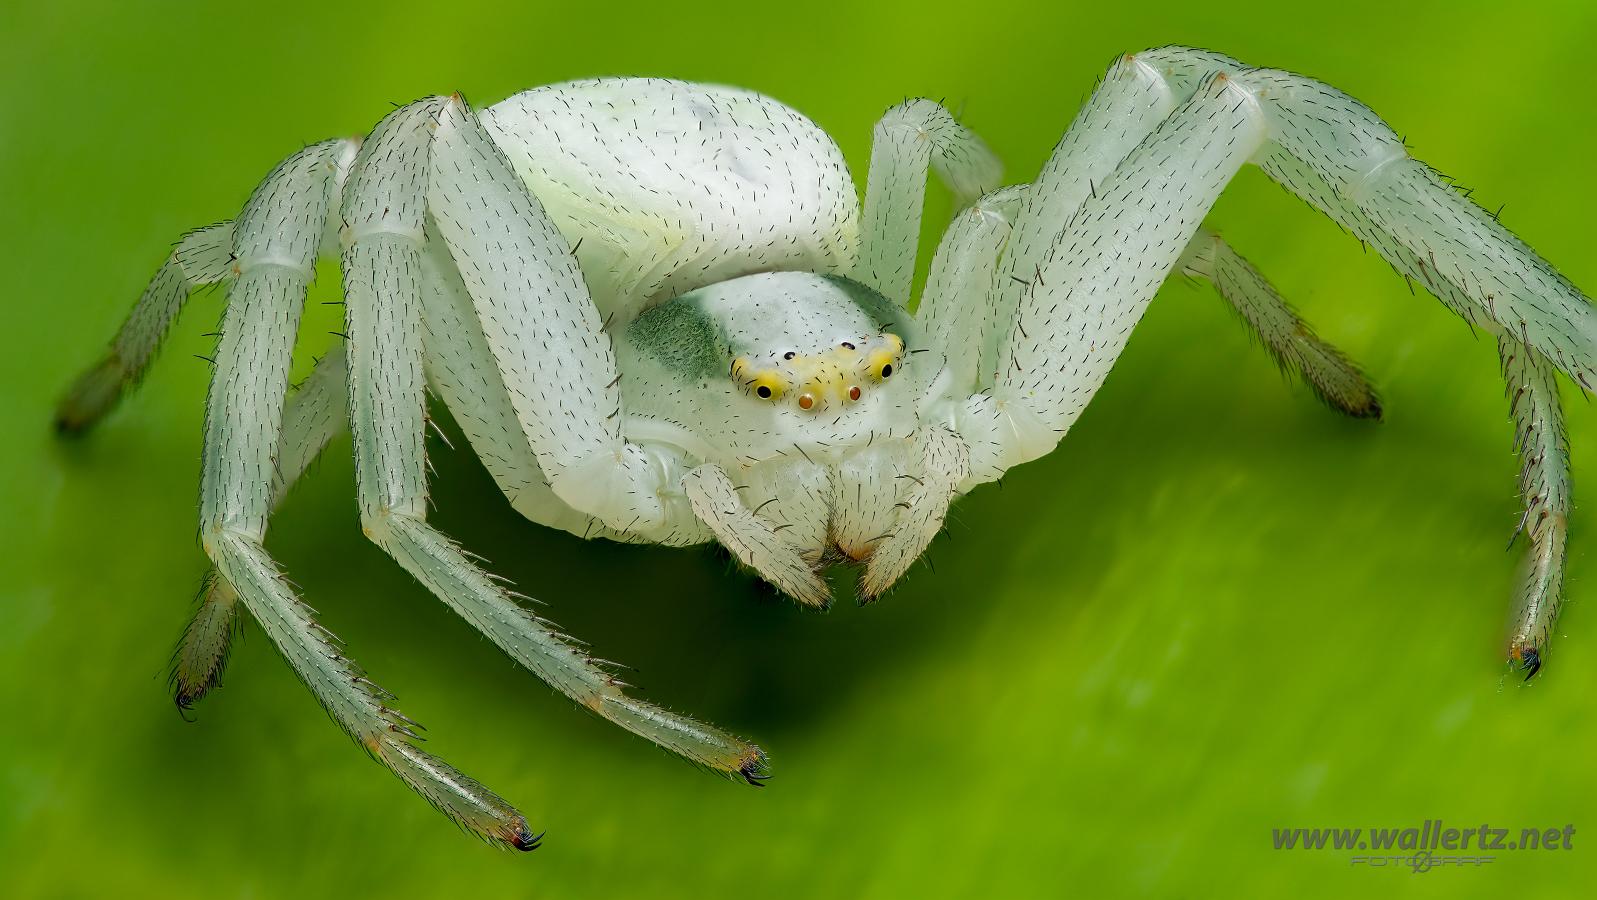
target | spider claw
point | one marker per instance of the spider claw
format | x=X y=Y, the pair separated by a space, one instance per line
x=752 y=774
x=522 y=838
x=1531 y=662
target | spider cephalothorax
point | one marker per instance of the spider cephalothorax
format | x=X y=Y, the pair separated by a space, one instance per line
x=815 y=399
x=660 y=313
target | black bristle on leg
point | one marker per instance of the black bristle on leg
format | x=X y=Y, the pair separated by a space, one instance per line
x=1531 y=662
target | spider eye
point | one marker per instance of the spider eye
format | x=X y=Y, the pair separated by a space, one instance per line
x=883 y=361
x=766 y=384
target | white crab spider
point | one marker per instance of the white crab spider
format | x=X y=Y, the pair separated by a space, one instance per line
x=659 y=315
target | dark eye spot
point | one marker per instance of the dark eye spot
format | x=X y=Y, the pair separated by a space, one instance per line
x=763 y=391
x=847 y=345
x=887 y=370
x=789 y=355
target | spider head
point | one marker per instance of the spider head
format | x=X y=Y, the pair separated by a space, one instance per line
x=804 y=349
x=761 y=363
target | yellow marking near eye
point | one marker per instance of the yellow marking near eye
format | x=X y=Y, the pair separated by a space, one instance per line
x=830 y=377
x=766 y=384
x=884 y=361
x=769 y=386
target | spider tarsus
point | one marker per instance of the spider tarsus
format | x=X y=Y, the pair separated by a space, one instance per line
x=185 y=695
x=95 y=392
x=815 y=604
x=69 y=426
x=521 y=837
x=185 y=706
x=752 y=774
x=1371 y=409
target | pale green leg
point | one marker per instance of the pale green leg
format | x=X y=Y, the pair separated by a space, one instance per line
x=542 y=330
x=1129 y=103
x=958 y=314
x=314 y=415
x=1537 y=414
x=202 y=257
x=1544 y=486
x=1094 y=285
x=1289 y=340
x=384 y=293
x=1338 y=156
x=909 y=138
x=276 y=242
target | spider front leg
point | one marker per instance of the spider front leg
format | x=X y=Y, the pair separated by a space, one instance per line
x=1528 y=374
x=386 y=201
x=462 y=374
x=1095 y=282
x=909 y=138
x=1544 y=486
x=1337 y=155
x=542 y=328
x=1130 y=102
x=959 y=322
x=957 y=314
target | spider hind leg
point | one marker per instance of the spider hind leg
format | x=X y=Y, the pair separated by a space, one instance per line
x=203 y=257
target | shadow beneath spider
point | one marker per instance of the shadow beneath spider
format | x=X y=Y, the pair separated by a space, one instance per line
x=700 y=636
x=706 y=638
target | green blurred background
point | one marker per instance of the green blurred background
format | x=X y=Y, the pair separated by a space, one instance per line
x=1216 y=610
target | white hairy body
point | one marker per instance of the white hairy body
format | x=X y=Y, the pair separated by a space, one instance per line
x=660 y=313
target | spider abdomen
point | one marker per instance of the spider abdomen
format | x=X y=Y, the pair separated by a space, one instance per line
x=665 y=186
